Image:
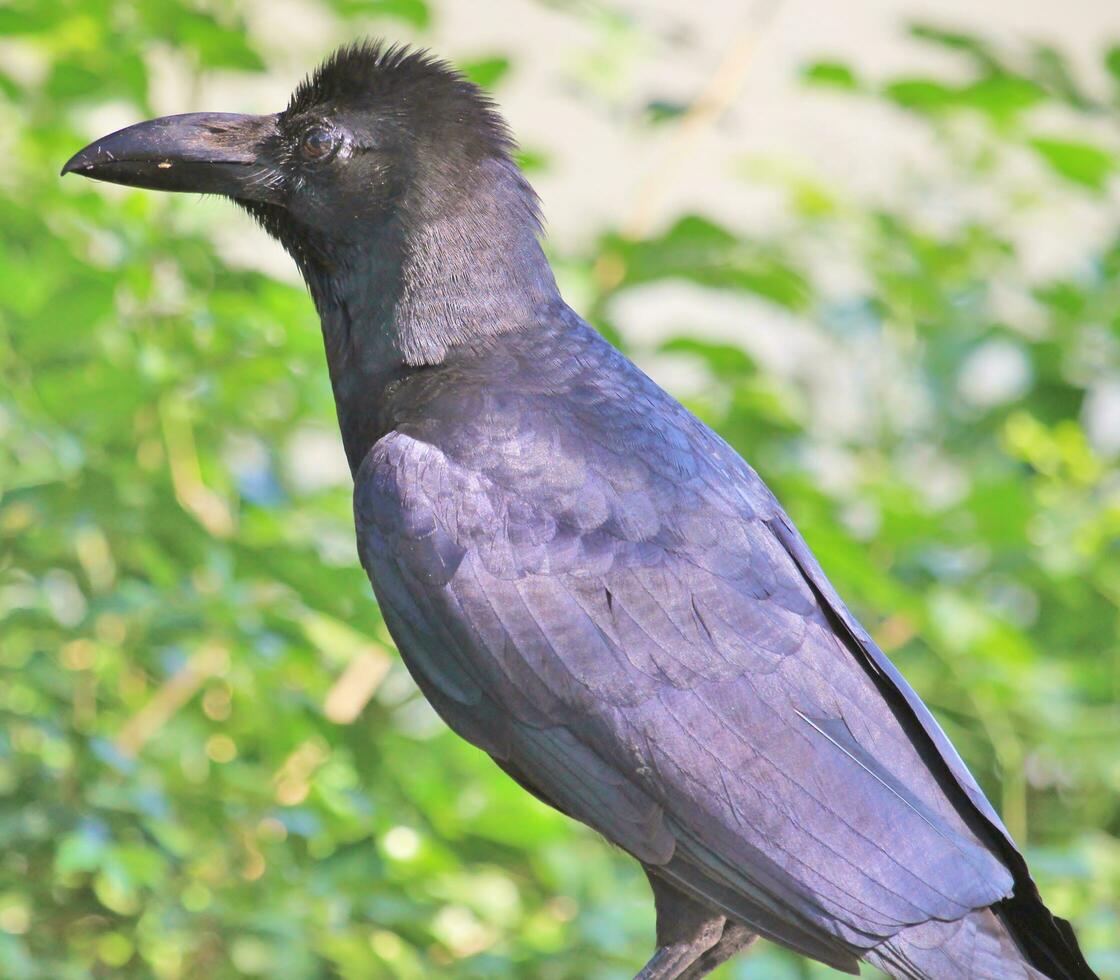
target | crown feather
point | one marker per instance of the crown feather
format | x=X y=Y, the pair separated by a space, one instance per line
x=400 y=75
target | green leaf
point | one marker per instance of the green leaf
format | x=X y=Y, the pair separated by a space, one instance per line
x=70 y=81
x=922 y=94
x=707 y=253
x=659 y=111
x=999 y=95
x=724 y=360
x=1053 y=70
x=486 y=72
x=1081 y=163
x=979 y=49
x=532 y=160
x=414 y=12
x=82 y=851
x=11 y=88
x=218 y=46
x=1002 y=96
x=835 y=74
x=1112 y=62
x=28 y=20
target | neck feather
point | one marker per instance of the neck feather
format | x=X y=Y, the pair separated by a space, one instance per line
x=465 y=267
x=446 y=271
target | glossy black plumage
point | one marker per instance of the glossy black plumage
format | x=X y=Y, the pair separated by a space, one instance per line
x=594 y=588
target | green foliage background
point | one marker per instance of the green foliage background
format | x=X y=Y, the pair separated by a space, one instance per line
x=184 y=629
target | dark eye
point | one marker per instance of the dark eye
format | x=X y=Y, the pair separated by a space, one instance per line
x=317 y=143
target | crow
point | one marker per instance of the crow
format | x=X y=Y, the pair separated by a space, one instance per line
x=586 y=582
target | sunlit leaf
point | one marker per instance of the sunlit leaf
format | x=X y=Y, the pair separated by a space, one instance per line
x=1002 y=95
x=487 y=72
x=1081 y=163
x=831 y=73
x=414 y=12
x=922 y=94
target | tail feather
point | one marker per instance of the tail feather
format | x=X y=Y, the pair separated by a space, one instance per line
x=1047 y=941
x=978 y=947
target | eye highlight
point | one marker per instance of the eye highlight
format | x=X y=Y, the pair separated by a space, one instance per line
x=317 y=143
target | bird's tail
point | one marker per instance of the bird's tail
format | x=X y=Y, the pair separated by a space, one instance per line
x=980 y=946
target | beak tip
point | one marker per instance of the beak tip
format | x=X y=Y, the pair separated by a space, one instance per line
x=76 y=163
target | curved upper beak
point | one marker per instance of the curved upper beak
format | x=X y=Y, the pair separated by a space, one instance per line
x=204 y=152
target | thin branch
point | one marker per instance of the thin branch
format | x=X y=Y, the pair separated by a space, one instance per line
x=175 y=692
x=714 y=100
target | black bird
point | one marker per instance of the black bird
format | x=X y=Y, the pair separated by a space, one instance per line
x=586 y=581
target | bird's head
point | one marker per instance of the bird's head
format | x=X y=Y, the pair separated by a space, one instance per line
x=377 y=137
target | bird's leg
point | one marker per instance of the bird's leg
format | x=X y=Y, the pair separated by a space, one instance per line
x=735 y=937
x=686 y=930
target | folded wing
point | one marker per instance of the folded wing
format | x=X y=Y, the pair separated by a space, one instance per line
x=692 y=696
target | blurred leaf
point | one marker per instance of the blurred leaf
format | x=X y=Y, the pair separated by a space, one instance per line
x=1081 y=163
x=24 y=19
x=70 y=81
x=981 y=52
x=998 y=95
x=723 y=359
x=532 y=160
x=922 y=94
x=1002 y=95
x=659 y=111
x=82 y=851
x=486 y=72
x=832 y=73
x=414 y=12
x=1054 y=71
x=1112 y=61
x=698 y=249
x=217 y=47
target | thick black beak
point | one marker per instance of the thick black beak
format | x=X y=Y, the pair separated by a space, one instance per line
x=204 y=152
